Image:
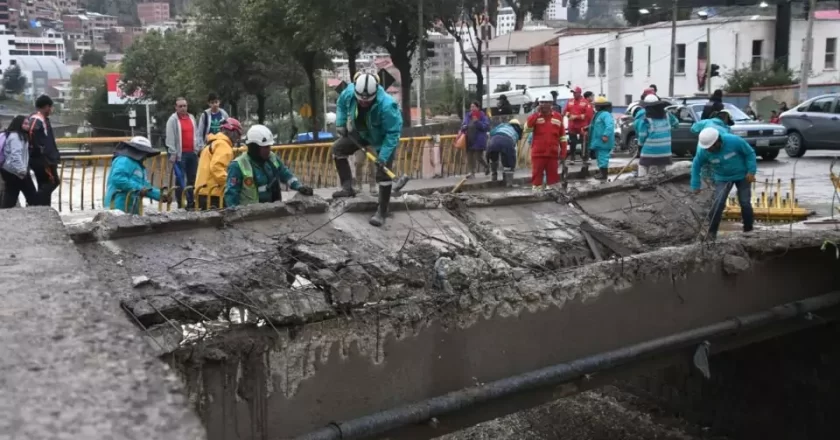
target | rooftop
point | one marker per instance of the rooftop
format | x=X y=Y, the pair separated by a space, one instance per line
x=522 y=40
x=52 y=65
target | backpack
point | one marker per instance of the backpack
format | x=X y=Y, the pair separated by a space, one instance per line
x=4 y=136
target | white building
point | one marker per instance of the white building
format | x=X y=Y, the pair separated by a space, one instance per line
x=622 y=63
x=12 y=47
x=518 y=58
x=556 y=11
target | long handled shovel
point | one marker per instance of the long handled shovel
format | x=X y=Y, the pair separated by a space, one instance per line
x=399 y=182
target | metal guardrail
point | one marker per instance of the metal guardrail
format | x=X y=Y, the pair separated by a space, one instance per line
x=84 y=178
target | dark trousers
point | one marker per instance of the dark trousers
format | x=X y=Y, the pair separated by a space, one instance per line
x=504 y=148
x=14 y=186
x=47 y=177
x=215 y=202
x=722 y=190
x=189 y=166
x=345 y=147
x=574 y=140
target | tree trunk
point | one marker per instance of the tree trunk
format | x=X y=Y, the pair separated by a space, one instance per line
x=234 y=107
x=520 y=21
x=261 y=107
x=309 y=67
x=290 y=94
x=352 y=54
x=479 y=84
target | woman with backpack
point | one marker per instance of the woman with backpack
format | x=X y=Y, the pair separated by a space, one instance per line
x=14 y=164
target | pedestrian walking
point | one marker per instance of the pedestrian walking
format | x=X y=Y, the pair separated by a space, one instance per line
x=733 y=163
x=476 y=125
x=653 y=130
x=181 y=145
x=43 y=151
x=14 y=165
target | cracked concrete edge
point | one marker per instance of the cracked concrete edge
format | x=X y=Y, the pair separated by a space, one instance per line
x=110 y=225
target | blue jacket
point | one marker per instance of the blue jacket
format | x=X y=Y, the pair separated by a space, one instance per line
x=505 y=129
x=481 y=127
x=732 y=163
x=716 y=123
x=266 y=178
x=126 y=175
x=654 y=135
x=603 y=124
x=384 y=121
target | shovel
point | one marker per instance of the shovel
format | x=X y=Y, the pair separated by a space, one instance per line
x=399 y=182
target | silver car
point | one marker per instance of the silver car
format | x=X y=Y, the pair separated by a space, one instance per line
x=813 y=125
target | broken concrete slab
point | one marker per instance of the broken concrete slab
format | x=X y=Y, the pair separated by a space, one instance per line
x=72 y=365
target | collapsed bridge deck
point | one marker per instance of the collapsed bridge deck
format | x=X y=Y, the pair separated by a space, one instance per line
x=300 y=314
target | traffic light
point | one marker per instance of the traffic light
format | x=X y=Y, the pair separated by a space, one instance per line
x=430 y=49
x=715 y=71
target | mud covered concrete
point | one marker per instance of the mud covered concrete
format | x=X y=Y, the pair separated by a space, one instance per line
x=72 y=365
x=345 y=319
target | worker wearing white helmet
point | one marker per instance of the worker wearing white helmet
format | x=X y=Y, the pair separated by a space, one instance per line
x=548 y=143
x=653 y=132
x=127 y=181
x=733 y=164
x=255 y=176
x=367 y=117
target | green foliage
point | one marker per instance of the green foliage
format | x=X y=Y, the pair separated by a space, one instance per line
x=93 y=58
x=446 y=96
x=14 y=82
x=743 y=79
x=84 y=83
x=464 y=13
x=112 y=120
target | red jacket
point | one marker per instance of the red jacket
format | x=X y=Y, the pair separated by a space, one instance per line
x=549 y=134
x=576 y=108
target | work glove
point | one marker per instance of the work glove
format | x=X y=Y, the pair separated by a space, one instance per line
x=342 y=131
x=750 y=178
x=305 y=190
x=379 y=163
x=142 y=193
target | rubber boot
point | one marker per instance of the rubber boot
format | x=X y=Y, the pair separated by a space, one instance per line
x=345 y=176
x=507 y=177
x=494 y=168
x=378 y=219
x=602 y=174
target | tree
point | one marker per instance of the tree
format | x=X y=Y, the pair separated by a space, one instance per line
x=93 y=58
x=743 y=79
x=84 y=83
x=505 y=87
x=302 y=36
x=466 y=15
x=14 y=82
x=353 y=34
x=521 y=8
x=446 y=96
x=108 y=119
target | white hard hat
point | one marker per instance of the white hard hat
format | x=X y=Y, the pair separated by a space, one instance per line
x=140 y=141
x=260 y=135
x=365 y=87
x=546 y=98
x=651 y=98
x=708 y=137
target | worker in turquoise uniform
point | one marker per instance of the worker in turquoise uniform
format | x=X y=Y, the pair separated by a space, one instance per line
x=733 y=164
x=602 y=135
x=720 y=121
x=127 y=181
x=255 y=176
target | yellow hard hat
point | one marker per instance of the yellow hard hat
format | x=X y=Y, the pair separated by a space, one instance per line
x=514 y=122
x=601 y=100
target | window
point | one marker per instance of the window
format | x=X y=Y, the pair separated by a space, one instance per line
x=628 y=99
x=495 y=61
x=648 y=65
x=590 y=61
x=684 y=115
x=821 y=105
x=602 y=61
x=628 y=61
x=520 y=87
x=756 y=61
x=837 y=106
x=509 y=61
x=701 y=50
x=680 y=59
x=830 y=53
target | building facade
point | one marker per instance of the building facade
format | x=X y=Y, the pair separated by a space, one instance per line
x=522 y=59
x=152 y=12
x=621 y=63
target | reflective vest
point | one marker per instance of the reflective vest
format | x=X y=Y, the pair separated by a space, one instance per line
x=250 y=194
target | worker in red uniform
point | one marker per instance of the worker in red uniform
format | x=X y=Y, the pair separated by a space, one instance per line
x=548 y=143
x=580 y=113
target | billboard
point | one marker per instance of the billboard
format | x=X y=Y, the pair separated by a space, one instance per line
x=116 y=94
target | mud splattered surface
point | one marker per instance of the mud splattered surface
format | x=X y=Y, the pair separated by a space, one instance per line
x=604 y=414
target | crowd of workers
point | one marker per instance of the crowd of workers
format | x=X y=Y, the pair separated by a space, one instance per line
x=202 y=152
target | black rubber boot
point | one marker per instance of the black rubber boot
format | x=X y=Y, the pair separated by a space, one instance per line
x=345 y=176
x=602 y=174
x=378 y=219
x=494 y=168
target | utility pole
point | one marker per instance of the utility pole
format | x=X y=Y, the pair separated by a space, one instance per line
x=487 y=39
x=422 y=88
x=463 y=86
x=673 y=49
x=708 y=61
x=809 y=52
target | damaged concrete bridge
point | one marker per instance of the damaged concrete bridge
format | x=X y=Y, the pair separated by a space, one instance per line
x=299 y=320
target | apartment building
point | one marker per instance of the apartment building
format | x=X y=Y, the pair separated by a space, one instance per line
x=152 y=12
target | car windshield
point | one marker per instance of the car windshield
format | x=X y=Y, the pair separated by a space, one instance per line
x=737 y=114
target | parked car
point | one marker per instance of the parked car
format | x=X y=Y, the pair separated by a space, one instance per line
x=627 y=137
x=767 y=139
x=813 y=125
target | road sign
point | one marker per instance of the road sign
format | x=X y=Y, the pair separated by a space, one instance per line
x=305 y=111
x=385 y=79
